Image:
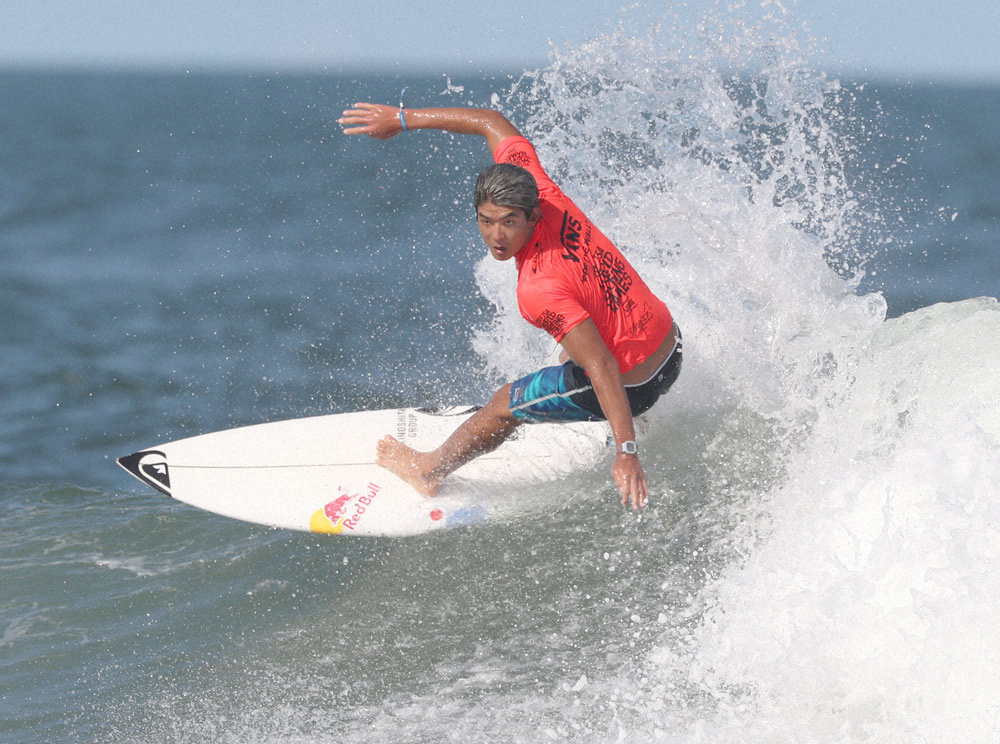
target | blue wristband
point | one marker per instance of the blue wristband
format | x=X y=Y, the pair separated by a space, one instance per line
x=402 y=116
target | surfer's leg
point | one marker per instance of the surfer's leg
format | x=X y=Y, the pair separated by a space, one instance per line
x=482 y=432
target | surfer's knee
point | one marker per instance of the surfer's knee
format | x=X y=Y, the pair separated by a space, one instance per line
x=499 y=405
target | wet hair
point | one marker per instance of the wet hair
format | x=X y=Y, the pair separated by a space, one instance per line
x=507 y=185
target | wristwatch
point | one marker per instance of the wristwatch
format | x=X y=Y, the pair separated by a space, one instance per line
x=628 y=448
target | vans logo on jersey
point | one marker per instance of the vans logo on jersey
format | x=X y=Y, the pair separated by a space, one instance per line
x=569 y=235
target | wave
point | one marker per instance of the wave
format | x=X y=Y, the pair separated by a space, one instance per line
x=851 y=461
x=861 y=607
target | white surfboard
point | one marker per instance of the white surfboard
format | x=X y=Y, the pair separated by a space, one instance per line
x=319 y=474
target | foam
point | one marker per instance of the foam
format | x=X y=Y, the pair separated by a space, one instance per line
x=857 y=601
x=866 y=611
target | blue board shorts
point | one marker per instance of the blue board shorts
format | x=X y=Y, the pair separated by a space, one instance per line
x=564 y=393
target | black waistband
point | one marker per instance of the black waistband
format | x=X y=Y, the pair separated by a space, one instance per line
x=641 y=397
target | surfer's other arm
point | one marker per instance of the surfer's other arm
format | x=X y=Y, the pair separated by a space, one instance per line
x=584 y=346
x=383 y=122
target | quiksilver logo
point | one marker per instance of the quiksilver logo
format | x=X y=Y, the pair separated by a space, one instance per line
x=157 y=471
x=149 y=466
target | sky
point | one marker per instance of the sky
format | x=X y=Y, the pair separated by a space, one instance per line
x=895 y=39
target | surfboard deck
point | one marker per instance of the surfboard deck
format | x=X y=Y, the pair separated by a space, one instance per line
x=318 y=474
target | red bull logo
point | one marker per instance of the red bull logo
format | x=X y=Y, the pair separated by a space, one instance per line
x=345 y=512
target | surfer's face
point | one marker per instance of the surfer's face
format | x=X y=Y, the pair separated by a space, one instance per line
x=506 y=230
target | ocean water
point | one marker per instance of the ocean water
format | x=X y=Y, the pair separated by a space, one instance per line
x=189 y=252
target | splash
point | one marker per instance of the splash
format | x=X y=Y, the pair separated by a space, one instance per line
x=851 y=462
x=719 y=166
x=866 y=613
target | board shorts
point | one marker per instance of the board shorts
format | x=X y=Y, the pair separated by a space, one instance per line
x=564 y=393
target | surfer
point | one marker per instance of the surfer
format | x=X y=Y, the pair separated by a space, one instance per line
x=620 y=348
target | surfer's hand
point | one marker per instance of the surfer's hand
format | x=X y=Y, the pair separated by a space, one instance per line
x=375 y=120
x=630 y=479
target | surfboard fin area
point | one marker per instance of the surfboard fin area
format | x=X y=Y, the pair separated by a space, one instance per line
x=318 y=474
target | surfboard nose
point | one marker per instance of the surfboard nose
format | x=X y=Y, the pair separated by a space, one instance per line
x=149 y=466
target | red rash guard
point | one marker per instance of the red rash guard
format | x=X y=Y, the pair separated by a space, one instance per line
x=569 y=271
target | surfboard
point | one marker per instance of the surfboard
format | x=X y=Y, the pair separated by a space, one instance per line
x=318 y=474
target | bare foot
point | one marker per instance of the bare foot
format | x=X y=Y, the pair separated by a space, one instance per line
x=406 y=462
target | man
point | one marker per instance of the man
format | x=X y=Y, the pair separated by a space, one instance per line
x=621 y=350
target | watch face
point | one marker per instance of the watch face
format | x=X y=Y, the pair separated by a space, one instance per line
x=630 y=448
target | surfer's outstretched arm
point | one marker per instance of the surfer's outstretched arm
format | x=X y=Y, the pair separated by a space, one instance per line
x=383 y=122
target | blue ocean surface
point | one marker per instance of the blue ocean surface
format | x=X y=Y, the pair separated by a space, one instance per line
x=188 y=252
